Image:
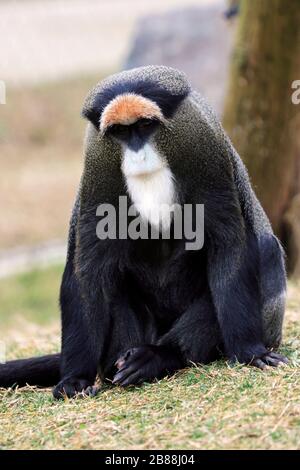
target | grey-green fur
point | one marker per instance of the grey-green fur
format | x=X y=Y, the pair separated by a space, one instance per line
x=198 y=150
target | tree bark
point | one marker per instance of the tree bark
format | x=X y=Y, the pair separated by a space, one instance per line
x=259 y=115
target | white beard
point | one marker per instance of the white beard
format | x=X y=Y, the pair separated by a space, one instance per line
x=150 y=184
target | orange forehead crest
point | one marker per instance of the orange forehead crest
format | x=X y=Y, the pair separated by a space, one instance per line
x=128 y=108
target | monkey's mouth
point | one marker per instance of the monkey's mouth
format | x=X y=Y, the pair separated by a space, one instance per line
x=142 y=162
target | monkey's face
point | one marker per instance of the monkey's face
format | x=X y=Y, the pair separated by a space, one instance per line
x=133 y=110
x=132 y=121
x=139 y=156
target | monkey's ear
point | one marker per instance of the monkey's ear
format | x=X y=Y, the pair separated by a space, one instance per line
x=93 y=115
x=92 y=107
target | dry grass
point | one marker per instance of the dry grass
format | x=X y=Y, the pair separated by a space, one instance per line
x=41 y=133
x=211 y=407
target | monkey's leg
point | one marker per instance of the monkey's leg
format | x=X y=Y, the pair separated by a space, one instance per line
x=273 y=288
x=129 y=329
x=234 y=281
x=80 y=353
x=194 y=337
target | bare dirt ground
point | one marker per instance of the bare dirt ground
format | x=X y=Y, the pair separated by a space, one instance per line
x=51 y=39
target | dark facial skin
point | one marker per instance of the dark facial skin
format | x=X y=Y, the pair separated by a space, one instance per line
x=134 y=135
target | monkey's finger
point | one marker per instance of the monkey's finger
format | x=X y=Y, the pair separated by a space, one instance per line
x=91 y=391
x=122 y=359
x=136 y=354
x=133 y=379
x=69 y=391
x=131 y=362
x=127 y=371
x=258 y=363
x=141 y=355
x=272 y=362
x=119 y=363
x=70 y=388
x=279 y=357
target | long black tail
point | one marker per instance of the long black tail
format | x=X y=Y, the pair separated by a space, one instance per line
x=41 y=371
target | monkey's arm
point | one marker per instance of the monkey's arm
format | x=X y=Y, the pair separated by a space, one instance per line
x=79 y=356
x=233 y=279
x=272 y=259
x=233 y=274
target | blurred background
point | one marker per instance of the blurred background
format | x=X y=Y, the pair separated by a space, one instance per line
x=242 y=55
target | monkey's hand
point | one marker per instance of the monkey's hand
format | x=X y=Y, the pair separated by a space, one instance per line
x=261 y=358
x=144 y=364
x=73 y=386
x=270 y=358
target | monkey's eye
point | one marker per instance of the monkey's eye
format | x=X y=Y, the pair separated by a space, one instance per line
x=147 y=124
x=118 y=130
x=143 y=123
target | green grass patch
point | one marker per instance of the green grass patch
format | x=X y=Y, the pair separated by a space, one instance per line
x=32 y=295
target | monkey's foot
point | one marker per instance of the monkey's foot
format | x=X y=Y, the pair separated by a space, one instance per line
x=270 y=358
x=144 y=364
x=72 y=387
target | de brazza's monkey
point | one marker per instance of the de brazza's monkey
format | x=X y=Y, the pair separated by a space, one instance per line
x=137 y=309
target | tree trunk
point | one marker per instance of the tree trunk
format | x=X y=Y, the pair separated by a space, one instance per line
x=259 y=114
